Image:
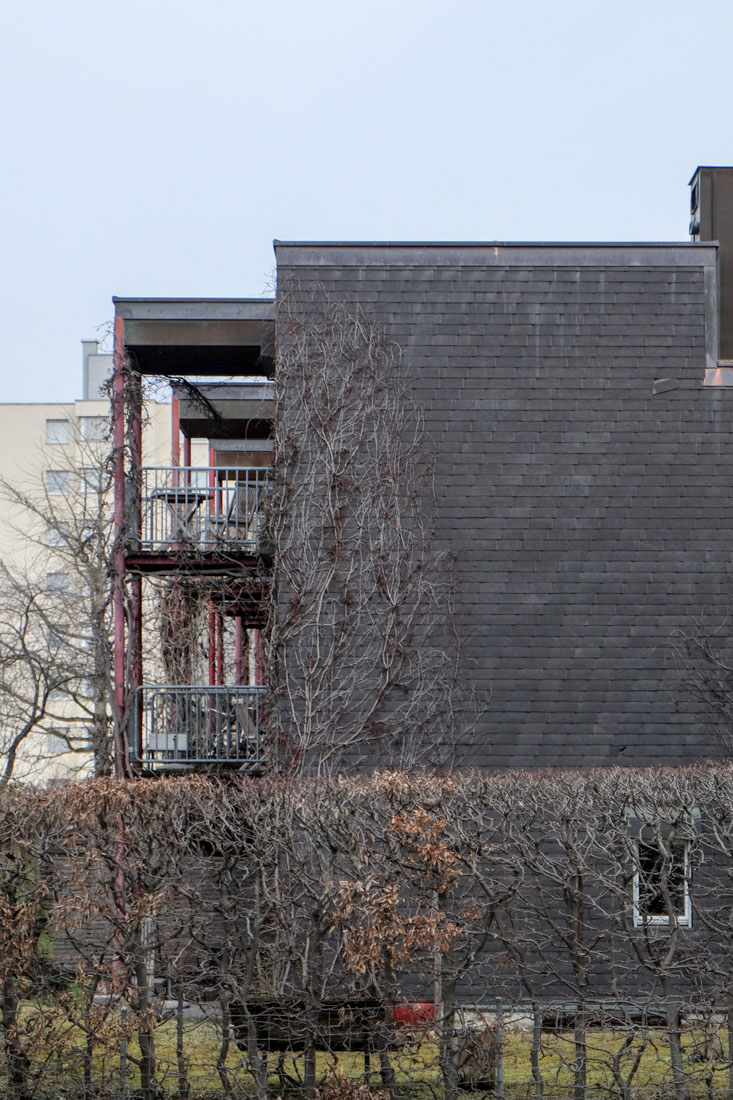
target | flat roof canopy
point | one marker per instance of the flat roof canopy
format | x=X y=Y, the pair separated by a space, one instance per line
x=226 y=410
x=214 y=336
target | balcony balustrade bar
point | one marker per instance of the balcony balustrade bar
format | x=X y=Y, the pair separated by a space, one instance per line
x=187 y=726
x=201 y=508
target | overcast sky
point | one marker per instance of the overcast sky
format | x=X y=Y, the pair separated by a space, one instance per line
x=156 y=147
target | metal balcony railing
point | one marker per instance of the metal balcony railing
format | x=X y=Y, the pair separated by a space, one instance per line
x=187 y=726
x=201 y=508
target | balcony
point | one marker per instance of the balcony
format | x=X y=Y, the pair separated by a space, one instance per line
x=185 y=727
x=201 y=509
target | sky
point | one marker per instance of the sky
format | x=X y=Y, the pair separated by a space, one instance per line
x=156 y=147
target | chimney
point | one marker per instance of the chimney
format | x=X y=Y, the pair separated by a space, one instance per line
x=88 y=348
x=711 y=219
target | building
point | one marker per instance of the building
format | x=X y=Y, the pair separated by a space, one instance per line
x=189 y=547
x=40 y=437
x=576 y=399
x=54 y=461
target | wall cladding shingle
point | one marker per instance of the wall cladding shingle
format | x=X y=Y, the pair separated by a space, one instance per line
x=591 y=519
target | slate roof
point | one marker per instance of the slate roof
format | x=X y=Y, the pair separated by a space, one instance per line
x=590 y=515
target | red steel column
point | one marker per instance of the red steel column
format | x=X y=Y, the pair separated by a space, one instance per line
x=136 y=592
x=176 y=432
x=118 y=561
x=213 y=490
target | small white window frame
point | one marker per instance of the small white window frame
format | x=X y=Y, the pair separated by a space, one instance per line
x=681 y=919
x=57 y=582
x=57 y=483
x=92 y=480
x=56 y=740
x=58 y=534
x=94 y=429
x=54 y=427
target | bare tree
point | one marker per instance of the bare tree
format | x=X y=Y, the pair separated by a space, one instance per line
x=311 y=909
x=63 y=525
x=34 y=672
x=360 y=650
x=31 y=836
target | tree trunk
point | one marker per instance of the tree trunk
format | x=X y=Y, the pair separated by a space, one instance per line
x=387 y=1025
x=447 y=1059
x=534 y=1054
x=729 y=1015
x=576 y=927
x=581 y=1057
x=257 y=1061
x=729 y=1022
x=313 y=988
x=145 y=1036
x=184 y=1087
x=674 y=1039
x=18 y=1062
x=226 y=1038
x=88 y=1062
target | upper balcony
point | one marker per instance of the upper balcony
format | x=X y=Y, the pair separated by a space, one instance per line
x=204 y=510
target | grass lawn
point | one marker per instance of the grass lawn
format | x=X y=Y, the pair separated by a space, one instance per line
x=613 y=1059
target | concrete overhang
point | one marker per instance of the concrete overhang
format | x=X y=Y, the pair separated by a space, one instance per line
x=226 y=410
x=207 y=336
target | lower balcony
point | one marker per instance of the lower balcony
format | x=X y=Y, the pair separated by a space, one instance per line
x=184 y=728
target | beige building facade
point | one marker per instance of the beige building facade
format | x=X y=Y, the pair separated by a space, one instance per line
x=56 y=480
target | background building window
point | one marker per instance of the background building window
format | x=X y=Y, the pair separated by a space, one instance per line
x=57 y=640
x=58 y=535
x=57 y=482
x=93 y=428
x=56 y=740
x=662 y=883
x=57 y=582
x=91 y=479
x=58 y=431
